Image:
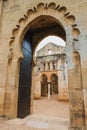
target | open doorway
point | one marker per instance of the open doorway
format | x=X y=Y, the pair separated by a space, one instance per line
x=37 y=24
x=54 y=83
x=24 y=94
x=43 y=84
x=48 y=66
x=51 y=80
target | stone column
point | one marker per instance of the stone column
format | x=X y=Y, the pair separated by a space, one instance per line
x=37 y=90
x=46 y=66
x=3 y=83
x=60 y=86
x=41 y=69
x=11 y=96
x=76 y=94
x=49 y=91
x=59 y=64
x=51 y=66
x=61 y=82
x=66 y=75
x=75 y=87
x=83 y=46
x=84 y=76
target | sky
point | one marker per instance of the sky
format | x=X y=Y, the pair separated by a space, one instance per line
x=54 y=39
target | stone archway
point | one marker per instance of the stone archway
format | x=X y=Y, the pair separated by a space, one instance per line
x=54 y=83
x=67 y=22
x=43 y=85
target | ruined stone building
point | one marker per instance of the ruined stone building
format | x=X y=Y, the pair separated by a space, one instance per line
x=51 y=68
x=23 y=24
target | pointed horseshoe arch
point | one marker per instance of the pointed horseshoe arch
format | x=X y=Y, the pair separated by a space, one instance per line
x=63 y=18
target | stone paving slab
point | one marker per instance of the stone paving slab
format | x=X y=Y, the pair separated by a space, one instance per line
x=35 y=122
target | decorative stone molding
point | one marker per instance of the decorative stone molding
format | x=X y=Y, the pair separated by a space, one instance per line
x=10 y=57
x=76 y=45
x=69 y=18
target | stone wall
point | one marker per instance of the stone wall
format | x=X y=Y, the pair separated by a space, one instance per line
x=14 y=25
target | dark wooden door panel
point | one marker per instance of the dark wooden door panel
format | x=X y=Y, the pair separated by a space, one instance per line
x=25 y=80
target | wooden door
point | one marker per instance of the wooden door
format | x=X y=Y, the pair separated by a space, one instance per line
x=24 y=93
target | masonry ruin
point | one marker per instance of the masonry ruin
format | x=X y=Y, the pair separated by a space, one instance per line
x=23 y=24
x=51 y=68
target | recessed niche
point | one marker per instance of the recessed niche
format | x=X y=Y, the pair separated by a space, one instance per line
x=71 y=19
x=75 y=32
x=52 y=6
x=14 y=32
x=62 y=9
x=11 y=42
x=29 y=12
x=40 y=6
x=22 y=20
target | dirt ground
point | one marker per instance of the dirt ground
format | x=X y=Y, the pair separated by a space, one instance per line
x=47 y=115
x=51 y=107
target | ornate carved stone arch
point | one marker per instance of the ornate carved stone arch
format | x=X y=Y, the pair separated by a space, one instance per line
x=62 y=16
